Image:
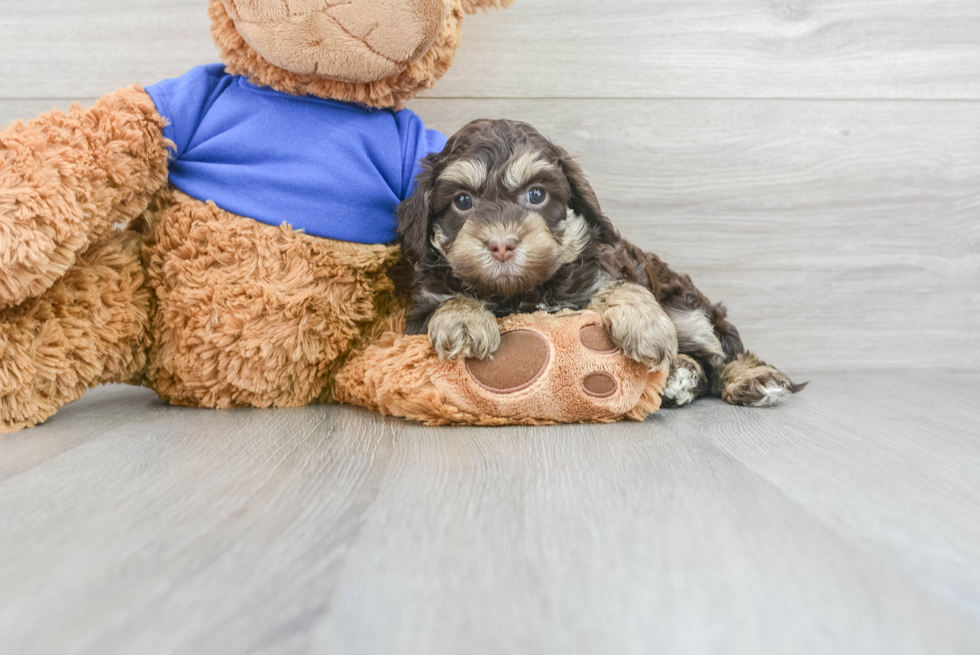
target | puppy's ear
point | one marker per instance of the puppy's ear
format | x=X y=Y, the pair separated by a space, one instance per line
x=415 y=218
x=472 y=6
x=583 y=200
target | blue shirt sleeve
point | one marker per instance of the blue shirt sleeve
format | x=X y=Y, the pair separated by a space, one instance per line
x=184 y=100
x=417 y=144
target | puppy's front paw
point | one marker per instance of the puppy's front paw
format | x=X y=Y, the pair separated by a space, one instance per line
x=637 y=323
x=462 y=328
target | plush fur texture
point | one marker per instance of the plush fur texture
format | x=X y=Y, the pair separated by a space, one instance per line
x=251 y=315
x=66 y=179
x=88 y=328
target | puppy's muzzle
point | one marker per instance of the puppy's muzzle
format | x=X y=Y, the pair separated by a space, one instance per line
x=504 y=252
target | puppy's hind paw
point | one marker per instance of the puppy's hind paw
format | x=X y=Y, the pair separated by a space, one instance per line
x=753 y=383
x=687 y=382
x=462 y=328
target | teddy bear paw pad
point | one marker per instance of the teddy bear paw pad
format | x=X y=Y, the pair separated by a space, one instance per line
x=519 y=362
x=597 y=339
x=600 y=385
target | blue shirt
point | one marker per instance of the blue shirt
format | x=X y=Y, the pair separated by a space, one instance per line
x=334 y=169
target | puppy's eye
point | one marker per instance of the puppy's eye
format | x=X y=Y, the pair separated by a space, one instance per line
x=463 y=202
x=537 y=196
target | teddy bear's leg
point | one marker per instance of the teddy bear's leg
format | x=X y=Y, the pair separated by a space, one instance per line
x=562 y=368
x=88 y=328
x=252 y=315
x=66 y=179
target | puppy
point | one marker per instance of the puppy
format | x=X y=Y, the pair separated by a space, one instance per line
x=504 y=221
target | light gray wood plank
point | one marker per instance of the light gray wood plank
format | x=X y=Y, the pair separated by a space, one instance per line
x=239 y=511
x=554 y=48
x=653 y=538
x=88 y=421
x=914 y=510
x=842 y=235
x=844 y=521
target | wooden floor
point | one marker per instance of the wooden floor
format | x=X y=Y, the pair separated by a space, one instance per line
x=845 y=521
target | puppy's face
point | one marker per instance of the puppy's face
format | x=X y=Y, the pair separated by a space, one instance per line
x=504 y=208
x=501 y=218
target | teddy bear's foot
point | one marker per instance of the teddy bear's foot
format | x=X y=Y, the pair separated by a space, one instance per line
x=561 y=368
x=88 y=328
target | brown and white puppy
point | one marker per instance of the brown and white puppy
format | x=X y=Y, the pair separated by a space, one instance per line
x=504 y=221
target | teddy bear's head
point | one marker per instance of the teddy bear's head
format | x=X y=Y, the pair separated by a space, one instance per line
x=377 y=52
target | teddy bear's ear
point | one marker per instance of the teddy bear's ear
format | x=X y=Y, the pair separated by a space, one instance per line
x=472 y=6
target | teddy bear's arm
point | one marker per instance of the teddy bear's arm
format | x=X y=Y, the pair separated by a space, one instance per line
x=67 y=178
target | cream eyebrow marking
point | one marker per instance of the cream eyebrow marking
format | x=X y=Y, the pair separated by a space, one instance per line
x=522 y=169
x=467 y=172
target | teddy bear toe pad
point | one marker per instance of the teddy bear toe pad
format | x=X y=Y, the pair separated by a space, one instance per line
x=600 y=385
x=520 y=361
x=596 y=338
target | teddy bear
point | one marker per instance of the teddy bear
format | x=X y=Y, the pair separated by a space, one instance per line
x=225 y=238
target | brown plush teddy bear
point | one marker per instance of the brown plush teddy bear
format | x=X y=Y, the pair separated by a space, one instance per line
x=260 y=199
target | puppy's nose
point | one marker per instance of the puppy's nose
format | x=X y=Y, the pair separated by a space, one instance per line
x=502 y=248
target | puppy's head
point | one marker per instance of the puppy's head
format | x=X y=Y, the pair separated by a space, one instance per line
x=502 y=206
